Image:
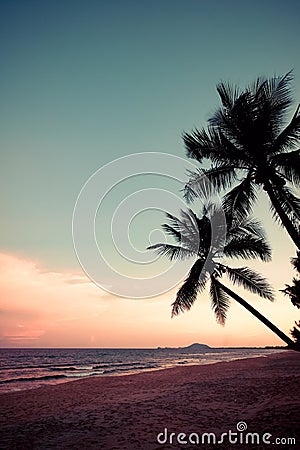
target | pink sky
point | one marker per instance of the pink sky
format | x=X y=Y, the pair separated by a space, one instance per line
x=41 y=308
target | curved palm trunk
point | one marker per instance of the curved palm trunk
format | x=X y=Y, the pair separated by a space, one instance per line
x=283 y=217
x=260 y=317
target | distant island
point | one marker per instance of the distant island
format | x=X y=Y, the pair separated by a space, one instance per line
x=202 y=348
x=190 y=348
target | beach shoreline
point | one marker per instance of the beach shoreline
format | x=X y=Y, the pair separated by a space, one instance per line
x=129 y=412
x=23 y=369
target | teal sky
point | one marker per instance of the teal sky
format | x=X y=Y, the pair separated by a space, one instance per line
x=85 y=82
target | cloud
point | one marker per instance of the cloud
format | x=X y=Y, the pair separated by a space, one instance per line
x=35 y=302
x=40 y=308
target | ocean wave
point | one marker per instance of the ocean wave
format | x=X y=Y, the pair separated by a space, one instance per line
x=48 y=366
x=50 y=377
x=123 y=369
x=135 y=365
x=84 y=374
x=70 y=368
x=42 y=378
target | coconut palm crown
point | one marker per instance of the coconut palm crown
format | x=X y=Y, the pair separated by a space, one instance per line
x=243 y=239
x=249 y=145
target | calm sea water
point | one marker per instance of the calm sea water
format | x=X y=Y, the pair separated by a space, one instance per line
x=31 y=368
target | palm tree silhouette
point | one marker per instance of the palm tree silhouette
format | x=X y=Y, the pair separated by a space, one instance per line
x=194 y=238
x=245 y=142
x=293 y=291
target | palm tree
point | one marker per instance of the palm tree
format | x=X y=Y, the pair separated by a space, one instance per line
x=295 y=332
x=293 y=291
x=296 y=262
x=244 y=239
x=246 y=143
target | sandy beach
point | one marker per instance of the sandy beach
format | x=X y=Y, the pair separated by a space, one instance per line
x=140 y=411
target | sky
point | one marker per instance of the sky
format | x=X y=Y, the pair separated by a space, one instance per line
x=84 y=83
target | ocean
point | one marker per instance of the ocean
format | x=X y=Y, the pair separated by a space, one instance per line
x=30 y=368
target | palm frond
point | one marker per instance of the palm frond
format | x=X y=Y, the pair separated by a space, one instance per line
x=240 y=125
x=171 y=231
x=186 y=227
x=244 y=228
x=204 y=183
x=198 y=144
x=293 y=292
x=172 y=251
x=255 y=87
x=247 y=247
x=250 y=280
x=228 y=94
x=279 y=91
x=235 y=126
x=239 y=201
x=272 y=99
x=187 y=294
x=289 y=136
x=289 y=203
x=220 y=301
x=212 y=144
x=175 y=221
x=190 y=230
x=288 y=164
x=296 y=262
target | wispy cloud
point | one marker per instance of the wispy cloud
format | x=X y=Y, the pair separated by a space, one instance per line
x=40 y=308
x=34 y=301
